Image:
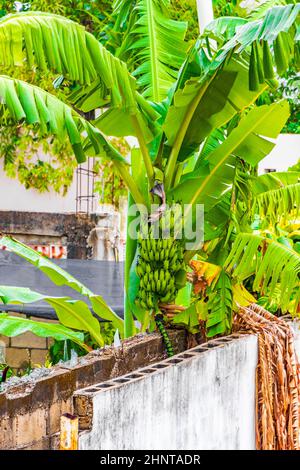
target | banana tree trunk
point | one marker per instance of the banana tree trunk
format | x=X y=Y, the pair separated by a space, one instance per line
x=129 y=327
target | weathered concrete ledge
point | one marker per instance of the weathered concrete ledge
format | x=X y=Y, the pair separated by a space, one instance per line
x=203 y=398
x=30 y=413
x=206 y=392
x=35 y=228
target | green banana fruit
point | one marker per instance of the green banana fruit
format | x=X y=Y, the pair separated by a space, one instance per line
x=160 y=265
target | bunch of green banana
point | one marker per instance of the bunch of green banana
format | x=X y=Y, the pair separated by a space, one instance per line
x=160 y=260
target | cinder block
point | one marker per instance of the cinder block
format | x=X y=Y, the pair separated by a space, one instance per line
x=54 y=417
x=67 y=406
x=85 y=422
x=30 y=427
x=5 y=340
x=17 y=357
x=58 y=386
x=38 y=356
x=83 y=404
x=56 y=410
x=55 y=441
x=43 y=444
x=6 y=433
x=29 y=340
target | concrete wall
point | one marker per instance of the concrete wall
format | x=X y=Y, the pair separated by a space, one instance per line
x=70 y=231
x=201 y=400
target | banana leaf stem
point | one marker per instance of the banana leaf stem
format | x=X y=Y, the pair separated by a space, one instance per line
x=131 y=245
x=171 y=165
x=130 y=183
x=144 y=150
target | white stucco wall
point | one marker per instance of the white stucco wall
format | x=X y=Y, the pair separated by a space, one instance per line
x=285 y=154
x=204 y=402
x=15 y=197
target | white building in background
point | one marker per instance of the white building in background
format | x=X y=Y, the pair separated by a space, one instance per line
x=285 y=154
x=14 y=196
x=73 y=226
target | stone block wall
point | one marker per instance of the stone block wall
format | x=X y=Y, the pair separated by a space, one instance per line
x=25 y=350
x=30 y=412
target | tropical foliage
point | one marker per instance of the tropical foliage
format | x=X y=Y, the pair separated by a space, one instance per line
x=72 y=314
x=13 y=326
x=199 y=131
x=22 y=153
x=36 y=161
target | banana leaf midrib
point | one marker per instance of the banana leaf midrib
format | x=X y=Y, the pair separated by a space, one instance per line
x=153 y=51
x=232 y=146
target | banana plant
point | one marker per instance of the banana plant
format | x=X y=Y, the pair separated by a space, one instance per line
x=72 y=314
x=12 y=326
x=192 y=111
x=250 y=253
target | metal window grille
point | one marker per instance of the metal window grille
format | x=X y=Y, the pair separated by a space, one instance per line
x=85 y=182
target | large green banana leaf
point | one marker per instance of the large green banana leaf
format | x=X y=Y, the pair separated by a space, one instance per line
x=211 y=89
x=251 y=187
x=280 y=203
x=76 y=314
x=249 y=141
x=208 y=102
x=39 y=108
x=103 y=311
x=211 y=143
x=274 y=41
x=275 y=195
x=13 y=326
x=19 y=295
x=61 y=277
x=158 y=47
x=272 y=181
x=71 y=313
x=52 y=42
x=259 y=9
x=115 y=121
x=22 y=101
x=277 y=268
x=224 y=28
x=220 y=305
